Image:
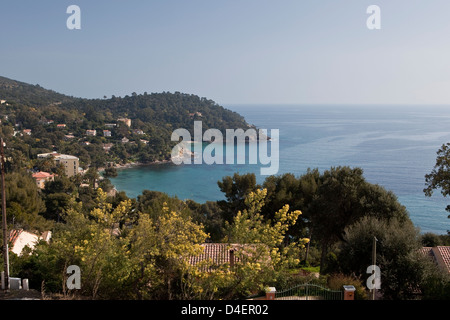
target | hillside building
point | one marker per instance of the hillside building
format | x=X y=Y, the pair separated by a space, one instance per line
x=126 y=121
x=70 y=163
x=42 y=177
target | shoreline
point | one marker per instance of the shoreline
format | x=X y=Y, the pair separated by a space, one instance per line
x=135 y=164
x=129 y=165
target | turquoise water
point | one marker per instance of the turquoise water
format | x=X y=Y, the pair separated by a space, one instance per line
x=395 y=145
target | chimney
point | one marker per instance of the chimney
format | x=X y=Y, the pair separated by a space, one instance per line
x=231 y=258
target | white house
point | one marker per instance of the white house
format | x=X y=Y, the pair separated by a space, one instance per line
x=20 y=238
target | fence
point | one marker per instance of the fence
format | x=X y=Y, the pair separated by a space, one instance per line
x=309 y=291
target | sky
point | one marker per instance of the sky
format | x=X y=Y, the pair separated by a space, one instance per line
x=233 y=51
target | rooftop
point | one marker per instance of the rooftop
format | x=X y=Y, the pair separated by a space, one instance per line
x=57 y=155
x=42 y=175
x=217 y=254
x=440 y=255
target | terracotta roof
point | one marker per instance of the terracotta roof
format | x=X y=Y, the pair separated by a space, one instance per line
x=13 y=235
x=42 y=175
x=445 y=255
x=217 y=254
x=440 y=255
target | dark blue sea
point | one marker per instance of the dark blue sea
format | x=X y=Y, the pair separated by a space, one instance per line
x=394 y=145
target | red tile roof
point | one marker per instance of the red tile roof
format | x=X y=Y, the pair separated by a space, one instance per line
x=13 y=235
x=440 y=255
x=445 y=255
x=42 y=175
x=217 y=254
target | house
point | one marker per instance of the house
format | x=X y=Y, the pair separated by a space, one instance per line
x=68 y=136
x=440 y=255
x=2 y=101
x=125 y=140
x=138 y=131
x=27 y=131
x=91 y=132
x=216 y=255
x=20 y=238
x=46 y=122
x=107 y=133
x=42 y=177
x=60 y=125
x=107 y=146
x=110 y=125
x=47 y=155
x=193 y=114
x=126 y=121
x=70 y=163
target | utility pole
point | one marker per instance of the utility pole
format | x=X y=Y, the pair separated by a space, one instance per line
x=5 y=229
x=374 y=262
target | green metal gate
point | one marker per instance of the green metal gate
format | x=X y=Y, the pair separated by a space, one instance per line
x=309 y=291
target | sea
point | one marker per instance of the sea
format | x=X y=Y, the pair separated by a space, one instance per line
x=395 y=145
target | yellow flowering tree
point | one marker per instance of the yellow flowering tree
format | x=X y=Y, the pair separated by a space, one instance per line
x=160 y=251
x=264 y=249
x=94 y=243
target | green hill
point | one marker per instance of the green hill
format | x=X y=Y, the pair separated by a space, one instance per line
x=153 y=118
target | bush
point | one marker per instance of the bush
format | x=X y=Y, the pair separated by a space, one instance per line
x=337 y=281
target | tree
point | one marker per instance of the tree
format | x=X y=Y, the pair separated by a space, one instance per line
x=110 y=172
x=403 y=268
x=265 y=252
x=24 y=204
x=160 y=251
x=92 y=176
x=210 y=215
x=57 y=194
x=94 y=243
x=236 y=188
x=153 y=203
x=439 y=178
x=342 y=198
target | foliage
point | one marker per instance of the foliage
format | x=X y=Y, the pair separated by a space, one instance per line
x=160 y=251
x=403 y=268
x=330 y=201
x=24 y=205
x=236 y=189
x=140 y=248
x=93 y=242
x=156 y=115
x=337 y=281
x=264 y=240
x=439 y=178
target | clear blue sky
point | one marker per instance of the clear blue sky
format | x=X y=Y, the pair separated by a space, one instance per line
x=233 y=51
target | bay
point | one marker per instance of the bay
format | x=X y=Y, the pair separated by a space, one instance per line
x=394 y=145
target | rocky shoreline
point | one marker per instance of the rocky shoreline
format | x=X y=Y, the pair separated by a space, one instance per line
x=128 y=165
x=136 y=164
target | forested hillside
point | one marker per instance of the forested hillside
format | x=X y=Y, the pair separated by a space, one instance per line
x=56 y=122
